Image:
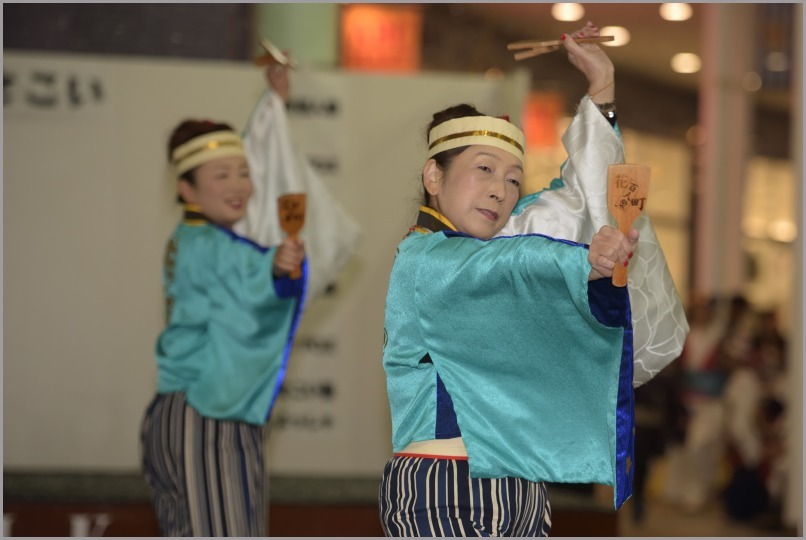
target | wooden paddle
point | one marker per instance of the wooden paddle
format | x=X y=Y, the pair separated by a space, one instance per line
x=273 y=55
x=627 y=188
x=291 y=210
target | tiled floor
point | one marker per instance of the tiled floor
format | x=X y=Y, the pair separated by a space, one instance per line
x=663 y=519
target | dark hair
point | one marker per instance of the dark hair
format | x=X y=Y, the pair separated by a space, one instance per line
x=187 y=130
x=445 y=157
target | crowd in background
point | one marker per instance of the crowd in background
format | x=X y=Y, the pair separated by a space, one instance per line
x=717 y=416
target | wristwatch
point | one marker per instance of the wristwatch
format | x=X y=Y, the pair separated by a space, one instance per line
x=608 y=109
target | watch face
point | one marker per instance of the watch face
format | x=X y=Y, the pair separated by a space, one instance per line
x=608 y=109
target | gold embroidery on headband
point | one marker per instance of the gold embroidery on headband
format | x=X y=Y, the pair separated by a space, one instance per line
x=212 y=145
x=482 y=132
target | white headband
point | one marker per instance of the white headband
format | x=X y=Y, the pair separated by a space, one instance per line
x=204 y=148
x=476 y=130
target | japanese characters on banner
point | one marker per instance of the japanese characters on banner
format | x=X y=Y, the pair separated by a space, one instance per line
x=51 y=88
x=85 y=146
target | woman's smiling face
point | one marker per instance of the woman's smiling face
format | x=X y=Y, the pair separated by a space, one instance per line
x=221 y=187
x=478 y=190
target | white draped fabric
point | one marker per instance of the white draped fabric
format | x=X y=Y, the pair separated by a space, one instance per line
x=277 y=168
x=577 y=209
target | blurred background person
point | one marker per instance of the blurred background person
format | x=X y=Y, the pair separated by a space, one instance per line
x=769 y=351
x=660 y=423
x=745 y=495
x=232 y=309
x=703 y=381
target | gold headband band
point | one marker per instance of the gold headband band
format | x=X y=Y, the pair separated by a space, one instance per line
x=204 y=148
x=476 y=130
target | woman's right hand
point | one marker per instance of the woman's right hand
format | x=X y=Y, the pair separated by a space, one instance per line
x=608 y=248
x=591 y=60
x=289 y=256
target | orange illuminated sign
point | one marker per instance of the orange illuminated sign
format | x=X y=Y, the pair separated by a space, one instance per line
x=540 y=121
x=377 y=37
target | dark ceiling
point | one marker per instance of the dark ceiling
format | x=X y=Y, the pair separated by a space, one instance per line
x=653 y=40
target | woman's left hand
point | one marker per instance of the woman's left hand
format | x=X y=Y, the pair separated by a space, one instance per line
x=610 y=247
x=277 y=77
x=591 y=60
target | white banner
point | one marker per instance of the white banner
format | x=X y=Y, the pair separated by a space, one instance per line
x=89 y=205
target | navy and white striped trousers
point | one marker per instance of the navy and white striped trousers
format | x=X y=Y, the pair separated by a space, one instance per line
x=206 y=476
x=421 y=496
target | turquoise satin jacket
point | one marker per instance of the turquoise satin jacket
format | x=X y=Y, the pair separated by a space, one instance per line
x=230 y=324
x=506 y=343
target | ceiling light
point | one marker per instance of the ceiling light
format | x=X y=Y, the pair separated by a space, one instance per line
x=621 y=36
x=686 y=63
x=782 y=231
x=675 y=12
x=751 y=81
x=567 y=12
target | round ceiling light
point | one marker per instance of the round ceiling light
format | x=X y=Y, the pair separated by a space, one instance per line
x=751 y=81
x=567 y=12
x=621 y=36
x=686 y=63
x=675 y=12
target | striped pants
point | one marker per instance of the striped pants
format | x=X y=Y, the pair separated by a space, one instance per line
x=205 y=476
x=436 y=497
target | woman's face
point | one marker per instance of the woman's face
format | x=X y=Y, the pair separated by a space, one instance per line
x=478 y=190
x=222 y=188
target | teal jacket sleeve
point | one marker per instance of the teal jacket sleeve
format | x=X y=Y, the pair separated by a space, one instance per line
x=235 y=325
x=536 y=379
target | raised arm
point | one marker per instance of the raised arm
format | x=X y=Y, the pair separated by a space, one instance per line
x=575 y=207
x=277 y=77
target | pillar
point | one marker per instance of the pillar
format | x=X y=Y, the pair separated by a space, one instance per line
x=793 y=502
x=725 y=117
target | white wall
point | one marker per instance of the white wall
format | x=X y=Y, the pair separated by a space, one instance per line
x=89 y=203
